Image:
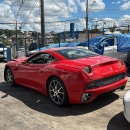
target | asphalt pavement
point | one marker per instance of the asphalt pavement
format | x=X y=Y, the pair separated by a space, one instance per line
x=25 y=109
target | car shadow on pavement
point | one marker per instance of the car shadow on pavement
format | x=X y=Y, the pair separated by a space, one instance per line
x=41 y=103
x=118 y=122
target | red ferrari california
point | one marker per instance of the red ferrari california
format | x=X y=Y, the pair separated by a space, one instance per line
x=67 y=75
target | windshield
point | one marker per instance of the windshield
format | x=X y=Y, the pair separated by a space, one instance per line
x=75 y=53
x=94 y=40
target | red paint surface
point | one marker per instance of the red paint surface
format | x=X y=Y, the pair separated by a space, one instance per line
x=71 y=73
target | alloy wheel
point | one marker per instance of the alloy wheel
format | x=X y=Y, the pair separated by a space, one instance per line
x=10 y=77
x=57 y=92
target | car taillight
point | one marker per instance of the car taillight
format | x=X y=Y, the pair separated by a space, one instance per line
x=120 y=64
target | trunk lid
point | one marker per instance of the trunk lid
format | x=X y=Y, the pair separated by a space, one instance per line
x=101 y=66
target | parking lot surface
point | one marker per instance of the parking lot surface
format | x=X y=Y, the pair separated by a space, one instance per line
x=25 y=109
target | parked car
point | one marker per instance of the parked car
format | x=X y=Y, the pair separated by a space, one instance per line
x=34 y=46
x=74 y=75
x=126 y=102
x=2 y=52
x=116 y=46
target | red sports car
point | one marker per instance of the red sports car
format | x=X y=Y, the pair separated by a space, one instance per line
x=74 y=75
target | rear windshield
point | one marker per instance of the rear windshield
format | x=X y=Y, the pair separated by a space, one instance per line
x=76 y=53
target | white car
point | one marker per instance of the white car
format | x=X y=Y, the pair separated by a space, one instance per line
x=126 y=102
x=2 y=52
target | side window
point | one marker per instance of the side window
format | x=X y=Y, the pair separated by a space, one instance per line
x=104 y=44
x=42 y=58
x=110 y=42
x=35 y=59
x=49 y=58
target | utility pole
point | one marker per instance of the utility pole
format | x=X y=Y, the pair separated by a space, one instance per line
x=16 y=41
x=42 y=24
x=87 y=31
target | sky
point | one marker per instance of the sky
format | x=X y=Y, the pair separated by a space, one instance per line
x=60 y=13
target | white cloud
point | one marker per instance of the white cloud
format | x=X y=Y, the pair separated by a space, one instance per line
x=118 y=2
x=125 y=6
x=94 y=5
x=55 y=10
x=124 y=20
x=109 y=22
x=9 y=17
x=72 y=6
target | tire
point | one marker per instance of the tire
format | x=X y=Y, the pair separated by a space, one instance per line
x=128 y=57
x=57 y=92
x=10 y=78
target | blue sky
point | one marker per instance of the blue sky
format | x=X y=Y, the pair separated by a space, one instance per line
x=56 y=11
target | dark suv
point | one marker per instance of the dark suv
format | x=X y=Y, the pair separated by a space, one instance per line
x=33 y=46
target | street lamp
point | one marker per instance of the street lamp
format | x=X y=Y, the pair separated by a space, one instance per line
x=87 y=30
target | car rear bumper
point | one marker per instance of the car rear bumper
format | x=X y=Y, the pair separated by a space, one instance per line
x=89 y=95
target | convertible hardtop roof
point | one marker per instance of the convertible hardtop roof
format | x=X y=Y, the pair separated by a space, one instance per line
x=59 y=48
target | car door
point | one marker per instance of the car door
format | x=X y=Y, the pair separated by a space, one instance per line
x=29 y=72
x=32 y=71
x=110 y=47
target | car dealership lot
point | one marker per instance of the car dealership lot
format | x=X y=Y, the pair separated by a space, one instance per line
x=23 y=108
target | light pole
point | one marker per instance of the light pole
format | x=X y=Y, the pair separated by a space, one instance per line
x=87 y=30
x=42 y=24
x=16 y=33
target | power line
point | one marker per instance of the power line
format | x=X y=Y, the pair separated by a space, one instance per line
x=62 y=7
x=57 y=4
x=24 y=22
x=22 y=3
